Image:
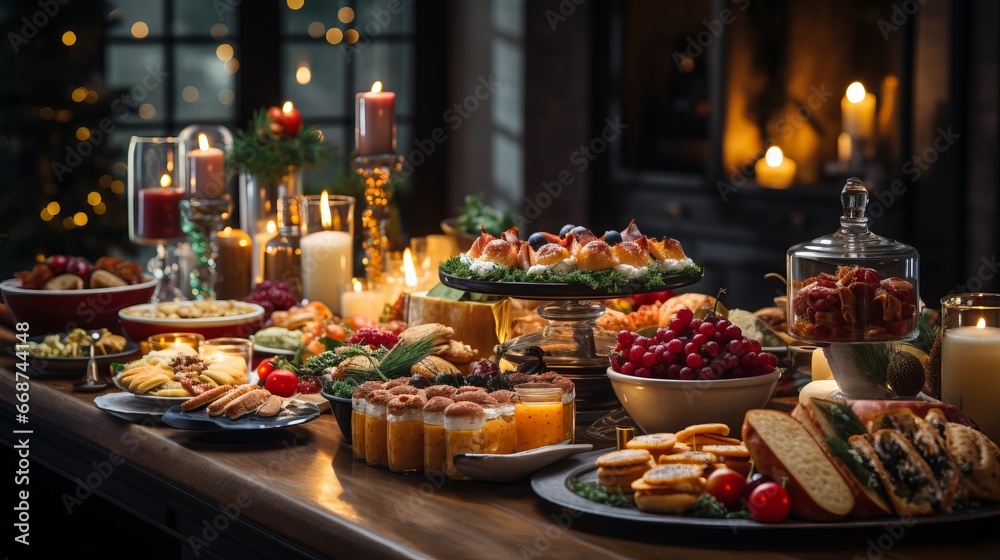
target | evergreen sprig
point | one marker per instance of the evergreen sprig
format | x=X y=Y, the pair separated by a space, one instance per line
x=260 y=152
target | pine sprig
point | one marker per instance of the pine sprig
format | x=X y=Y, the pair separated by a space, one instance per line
x=260 y=152
x=395 y=363
x=926 y=334
x=872 y=359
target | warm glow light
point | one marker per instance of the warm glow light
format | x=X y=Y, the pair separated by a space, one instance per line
x=46 y=113
x=287 y=107
x=224 y=52
x=295 y=4
x=79 y=94
x=324 y=211
x=856 y=92
x=93 y=198
x=231 y=66
x=377 y=87
x=316 y=30
x=147 y=111
x=165 y=180
x=409 y=271
x=357 y=284
x=100 y=209
x=82 y=133
x=981 y=324
x=190 y=94
x=91 y=97
x=69 y=38
x=80 y=219
x=45 y=215
x=345 y=15
x=219 y=31
x=140 y=30
x=117 y=186
x=53 y=208
x=203 y=141
x=334 y=36
x=303 y=75
x=226 y=96
x=351 y=36
x=271 y=226
x=773 y=156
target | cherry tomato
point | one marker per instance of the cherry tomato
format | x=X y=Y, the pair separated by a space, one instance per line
x=282 y=382
x=726 y=485
x=265 y=368
x=769 y=503
x=336 y=332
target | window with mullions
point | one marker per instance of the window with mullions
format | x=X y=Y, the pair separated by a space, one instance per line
x=176 y=63
x=332 y=50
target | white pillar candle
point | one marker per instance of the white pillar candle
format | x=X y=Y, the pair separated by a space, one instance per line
x=363 y=302
x=326 y=265
x=970 y=374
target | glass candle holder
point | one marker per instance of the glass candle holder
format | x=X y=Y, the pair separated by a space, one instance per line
x=154 y=196
x=258 y=207
x=361 y=298
x=163 y=341
x=228 y=349
x=327 y=245
x=970 y=352
x=283 y=253
x=203 y=150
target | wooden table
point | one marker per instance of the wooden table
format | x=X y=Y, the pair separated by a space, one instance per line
x=306 y=497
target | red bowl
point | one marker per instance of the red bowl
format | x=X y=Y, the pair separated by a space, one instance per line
x=240 y=326
x=56 y=311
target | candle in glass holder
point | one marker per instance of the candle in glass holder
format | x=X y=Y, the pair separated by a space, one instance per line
x=235 y=351
x=375 y=121
x=233 y=262
x=206 y=171
x=159 y=213
x=970 y=378
x=356 y=299
x=327 y=247
x=187 y=342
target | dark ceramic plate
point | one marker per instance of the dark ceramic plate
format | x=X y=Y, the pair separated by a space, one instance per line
x=74 y=365
x=552 y=485
x=540 y=290
x=295 y=412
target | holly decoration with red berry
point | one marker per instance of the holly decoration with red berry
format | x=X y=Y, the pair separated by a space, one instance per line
x=274 y=140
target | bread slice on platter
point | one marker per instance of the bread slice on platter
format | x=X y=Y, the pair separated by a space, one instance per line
x=782 y=448
x=831 y=424
x=907 y=478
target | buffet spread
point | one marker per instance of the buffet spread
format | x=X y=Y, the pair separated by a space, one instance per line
x=699 y=445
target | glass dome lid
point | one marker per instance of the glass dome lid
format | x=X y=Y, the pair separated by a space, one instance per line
x=852 y=285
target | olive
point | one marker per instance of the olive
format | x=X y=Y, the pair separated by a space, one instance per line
x=536 y=240
x=612 y=237
x=566 y=229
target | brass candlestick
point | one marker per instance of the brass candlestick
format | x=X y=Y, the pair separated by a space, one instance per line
x=376 y=171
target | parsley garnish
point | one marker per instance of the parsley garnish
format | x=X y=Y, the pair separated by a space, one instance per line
x=597 y=493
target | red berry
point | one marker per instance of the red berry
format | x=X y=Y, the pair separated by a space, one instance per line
x=736 y=347
x=733 y=332
x=691 y=348
x=660 y=332
x=668 y=335
x=685 y=315
x=687 y=374
x=699 y=340
x=675 y=346
x=707 y=329
x=676 y=325
x=706 y=373
x=721 y=325
x=625 y=338
x=636 y=353
x=749 y=360
x=628 y=368
x=755 y=344
x=719 y=338
x=695 y=324
x=658 y=371
x=648 y=359
x=667 y=358
x=712 y=349
x=694 y=360
x=643 y=341
x=616 y=363
x=674 y=371
x=642 y=372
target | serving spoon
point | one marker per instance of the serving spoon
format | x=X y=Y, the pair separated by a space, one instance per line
x=92 y=382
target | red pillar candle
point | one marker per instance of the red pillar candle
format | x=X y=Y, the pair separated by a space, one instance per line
x=205 y=170
x=375 y=121
x=159 y=215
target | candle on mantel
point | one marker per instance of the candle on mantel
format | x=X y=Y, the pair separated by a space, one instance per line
x=327 y=259
x=362 y=301
x=375 y=121
x=969 y=375
x=857 y=113
x=159 y=215
x=234 y=263
x=844 y=147
x=206 y=169
x=774 y=169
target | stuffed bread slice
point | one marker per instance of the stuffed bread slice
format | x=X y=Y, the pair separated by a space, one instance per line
x=909 y=481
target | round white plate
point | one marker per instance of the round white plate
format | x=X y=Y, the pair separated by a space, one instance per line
x=128 y=407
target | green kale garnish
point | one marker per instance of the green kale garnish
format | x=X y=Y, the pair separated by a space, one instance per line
x=597 y=493
x=343 y=389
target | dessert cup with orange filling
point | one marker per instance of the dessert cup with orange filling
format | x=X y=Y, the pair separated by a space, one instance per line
x=539 y=415
x=376 y=429
x=463 y=425
x=359 y=416
x=435 y=446
x=405 y=433
x=508 y=426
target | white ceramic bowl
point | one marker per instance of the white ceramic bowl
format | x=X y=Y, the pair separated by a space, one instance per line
x=669 y=405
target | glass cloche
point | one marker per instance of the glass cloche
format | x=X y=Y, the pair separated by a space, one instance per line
x=853 y=285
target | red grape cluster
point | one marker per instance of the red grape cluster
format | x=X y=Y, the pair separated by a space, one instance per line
x=486 y=368
x=373 y=338
x=272 y=295
x=689 y=348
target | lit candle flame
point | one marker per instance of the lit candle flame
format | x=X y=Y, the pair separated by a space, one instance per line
x=287 y=107
x=165 y=180
x=324 y=211
x=856 y=92
x=377 y=87
x=203 y=141
x=271 y=226
x=773 y=156
x=357 y=284
x=409 y=271
x=981 y=324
